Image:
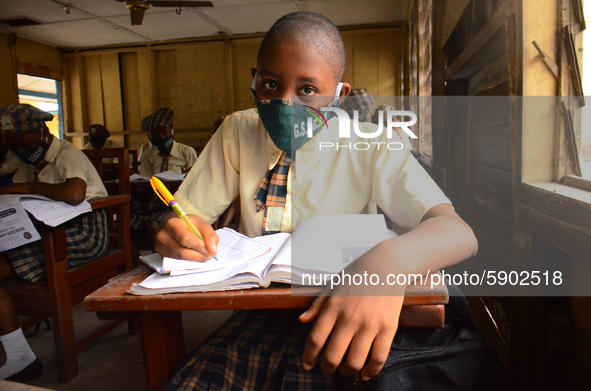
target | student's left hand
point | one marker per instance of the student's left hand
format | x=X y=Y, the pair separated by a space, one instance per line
x=362 y=318
x=16 y=188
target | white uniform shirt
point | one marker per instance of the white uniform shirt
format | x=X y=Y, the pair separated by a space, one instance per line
x=64 y=161
x=320 y=182
x=182 y=157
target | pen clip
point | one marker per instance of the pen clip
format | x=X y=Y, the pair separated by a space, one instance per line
x=155 y=187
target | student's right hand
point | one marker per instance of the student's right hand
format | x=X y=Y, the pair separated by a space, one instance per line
x=174 y=240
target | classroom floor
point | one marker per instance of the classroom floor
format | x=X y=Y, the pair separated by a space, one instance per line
x=114 y=362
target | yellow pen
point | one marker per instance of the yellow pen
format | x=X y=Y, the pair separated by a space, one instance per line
x=163 y=193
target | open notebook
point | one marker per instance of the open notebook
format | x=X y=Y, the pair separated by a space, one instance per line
x=324 y=244
x=17 y=229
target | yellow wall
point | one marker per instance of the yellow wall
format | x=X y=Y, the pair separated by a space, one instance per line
x=199 y=80
x=8 y=86
x=28 y=57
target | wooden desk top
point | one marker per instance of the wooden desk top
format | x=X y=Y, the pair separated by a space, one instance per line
x=114 y=297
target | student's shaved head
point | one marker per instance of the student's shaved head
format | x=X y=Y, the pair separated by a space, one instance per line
x=314 y=30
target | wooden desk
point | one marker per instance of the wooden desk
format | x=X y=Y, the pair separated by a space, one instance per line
x=160 y=321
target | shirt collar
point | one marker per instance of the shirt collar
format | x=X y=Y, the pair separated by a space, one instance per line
x=174 y=151
x=53 y=150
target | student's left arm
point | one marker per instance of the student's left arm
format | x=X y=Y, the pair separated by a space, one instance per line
x=72 y=191
x=364 y=319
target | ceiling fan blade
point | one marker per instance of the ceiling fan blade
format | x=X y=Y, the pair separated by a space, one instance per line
x=137 y=15
x=187 y=4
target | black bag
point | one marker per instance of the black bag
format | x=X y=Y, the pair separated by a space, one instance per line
x=455 y=357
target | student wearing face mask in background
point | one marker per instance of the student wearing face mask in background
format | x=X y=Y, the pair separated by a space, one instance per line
x=165 y=154
x=58 y=170
x=98 y=137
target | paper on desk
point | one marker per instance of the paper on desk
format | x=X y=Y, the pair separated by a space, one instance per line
x=170 y=265
x=53 y=213
x=138 y=178
x=170 y=176
x=233 y=248
x=16 y=228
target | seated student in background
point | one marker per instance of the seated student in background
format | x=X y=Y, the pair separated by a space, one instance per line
x=98 y=137
x=143 y=149
x=359 y=99
x=58 y=170
x=282 y=184
x=165 y=153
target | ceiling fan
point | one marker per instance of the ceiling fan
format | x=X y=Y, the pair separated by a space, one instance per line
x=138 y=7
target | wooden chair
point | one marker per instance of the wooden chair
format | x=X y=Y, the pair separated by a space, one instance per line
x=114 y=176
x=135 y=164
x=65 y=288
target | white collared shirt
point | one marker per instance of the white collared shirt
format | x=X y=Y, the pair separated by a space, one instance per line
x=182 y=157
x=320 y=182
x=64 y=161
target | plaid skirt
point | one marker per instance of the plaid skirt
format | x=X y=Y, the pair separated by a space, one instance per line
x=253 y=350
x=87 y=238
x=141 y=213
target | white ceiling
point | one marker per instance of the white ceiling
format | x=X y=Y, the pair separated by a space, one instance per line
x=33 y=83
x=106 y=22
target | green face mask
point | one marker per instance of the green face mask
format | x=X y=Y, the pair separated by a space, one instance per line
x=291 y=125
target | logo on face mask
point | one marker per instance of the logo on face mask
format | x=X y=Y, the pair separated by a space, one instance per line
x=33 y=155
x=288 y=123
x=163 y=144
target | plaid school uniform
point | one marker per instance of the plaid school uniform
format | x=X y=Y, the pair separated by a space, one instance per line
x=272 y=191
x=86 y=239
x=253 y=350
x=140 y=215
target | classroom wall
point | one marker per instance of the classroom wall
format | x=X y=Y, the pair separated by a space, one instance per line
x=200 y=81
x=8 y=93
x=20 y=55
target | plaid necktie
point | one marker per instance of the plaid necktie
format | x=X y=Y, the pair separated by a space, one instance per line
x=272 y=193
x=165 y=159
x=37 y=169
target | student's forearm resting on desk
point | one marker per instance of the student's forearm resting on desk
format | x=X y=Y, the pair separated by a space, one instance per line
x=72 y=191
x=361 y=318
